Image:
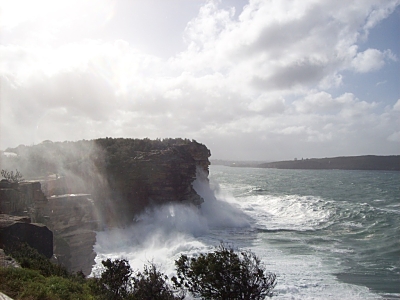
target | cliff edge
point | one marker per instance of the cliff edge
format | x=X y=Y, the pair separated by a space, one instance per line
x=123 y=176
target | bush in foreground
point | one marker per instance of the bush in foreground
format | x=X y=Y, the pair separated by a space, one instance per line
x=30 y=258
x=115 y=281
x=152 y=284
x=224 y=274
x=20 y=283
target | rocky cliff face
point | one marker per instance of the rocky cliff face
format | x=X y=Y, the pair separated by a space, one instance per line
x=22 y=198
x=72 y=220
x=157 y=177
x=122 y=176
x=15 y=230
x=69 y=217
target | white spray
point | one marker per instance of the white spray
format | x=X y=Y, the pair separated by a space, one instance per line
x=162 y=233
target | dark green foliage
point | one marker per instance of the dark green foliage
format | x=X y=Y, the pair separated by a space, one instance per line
x=115 y=281
x=29 y=258
x=11 y=177
x=152 y=284
x=13 y=280
x=20 y=283
x=118 y=282
x=224 y=274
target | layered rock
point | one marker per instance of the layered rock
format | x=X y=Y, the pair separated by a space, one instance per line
x=158 y=177
x=127 y=175
x=23 y=198
x=72 y=219
x=15 y=230
x=69 y=217
x=124 y=176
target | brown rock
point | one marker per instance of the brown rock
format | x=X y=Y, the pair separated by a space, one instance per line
x=14 y=230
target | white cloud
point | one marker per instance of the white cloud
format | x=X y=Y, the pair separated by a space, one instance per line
x=257 y=77
x=396 y=107
x=369 y=60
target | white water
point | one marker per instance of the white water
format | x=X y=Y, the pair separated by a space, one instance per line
x=162 y=234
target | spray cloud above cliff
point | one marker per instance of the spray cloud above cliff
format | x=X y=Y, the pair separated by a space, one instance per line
x=258 y=80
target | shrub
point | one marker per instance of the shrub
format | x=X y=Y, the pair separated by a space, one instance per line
x=30 y=258
x=21 y=283
x=115 y=281
x=152 y=284
x=14 y=280
x=11 y=177
x=224 y=274
x=119 y=282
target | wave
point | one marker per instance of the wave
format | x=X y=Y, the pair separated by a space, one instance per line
x=288 y=212
x=163 y=232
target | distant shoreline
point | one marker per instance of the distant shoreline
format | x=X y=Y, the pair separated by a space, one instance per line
x=365 y=162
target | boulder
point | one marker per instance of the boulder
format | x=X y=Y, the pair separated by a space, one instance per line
x=14 y=230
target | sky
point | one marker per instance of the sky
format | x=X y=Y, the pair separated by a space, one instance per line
x=252 y=80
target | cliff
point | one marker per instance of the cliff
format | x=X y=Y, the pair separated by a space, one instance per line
x=123 y=176
x=72 y=220
x=367 y=162
x=103 y=182
x=70 y=217
x=15 y=230
x=139 y=179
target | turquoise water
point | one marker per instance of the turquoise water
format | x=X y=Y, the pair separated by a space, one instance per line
x=327 y=234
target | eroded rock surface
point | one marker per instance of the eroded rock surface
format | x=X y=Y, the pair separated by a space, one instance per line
x=122 y=176
x=15 y=230
x=72 y=219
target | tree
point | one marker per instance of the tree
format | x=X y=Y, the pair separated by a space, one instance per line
x=115 y=281
x=224 y=274
x=11 y=177
x=152 y=284
x=118 y=282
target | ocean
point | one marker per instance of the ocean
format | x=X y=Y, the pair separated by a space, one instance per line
x=326 y=234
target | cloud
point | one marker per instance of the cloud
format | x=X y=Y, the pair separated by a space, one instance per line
x=369 y=60
x=396 y=107
x=261 y=78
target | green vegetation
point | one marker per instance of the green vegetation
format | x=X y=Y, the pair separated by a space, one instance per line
x=222 y=274
x=115 y=281
x=29 y=258
x=154 y=283
x=39 y=278
x=225 y=274
x=20 y=283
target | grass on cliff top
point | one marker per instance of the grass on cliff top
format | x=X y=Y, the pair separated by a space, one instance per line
x=39 y=278
x=20 y=283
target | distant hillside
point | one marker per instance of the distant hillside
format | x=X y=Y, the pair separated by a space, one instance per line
x=236 y=163
x=366 y=162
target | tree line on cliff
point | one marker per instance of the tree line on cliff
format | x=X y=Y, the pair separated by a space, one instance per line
x=49 y=157
x=122 y=175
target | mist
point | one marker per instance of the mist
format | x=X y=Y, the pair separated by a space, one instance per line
x=160 y=234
